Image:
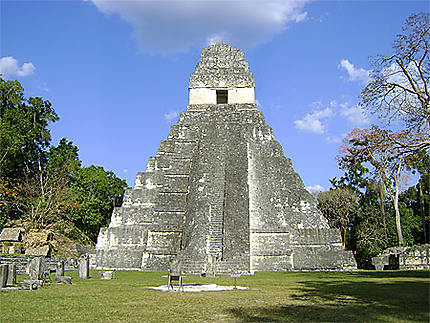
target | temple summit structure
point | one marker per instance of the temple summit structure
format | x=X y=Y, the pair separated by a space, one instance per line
x=220 y=196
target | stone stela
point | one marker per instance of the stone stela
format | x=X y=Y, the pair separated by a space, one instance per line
x=84 y=267
x=220 y=196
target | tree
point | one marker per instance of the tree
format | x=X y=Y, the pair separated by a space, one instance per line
x=338 y=206
x=399 y=86
x=24 y=132
x=43 y=186
x=389 y=153
x=98 y=192
x=24 y=138
x=417 y=198
x=46 y=197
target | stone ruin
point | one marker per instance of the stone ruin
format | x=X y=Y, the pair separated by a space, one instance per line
x=220 y=196
x=403 y=258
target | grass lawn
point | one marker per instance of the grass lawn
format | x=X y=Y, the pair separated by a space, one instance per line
x=365 y=296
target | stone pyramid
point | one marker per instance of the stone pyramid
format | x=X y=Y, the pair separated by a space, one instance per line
x=220 y=196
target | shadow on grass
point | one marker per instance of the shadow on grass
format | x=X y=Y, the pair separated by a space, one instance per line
x=300 y=313
x=395 y=273
x=346 y=301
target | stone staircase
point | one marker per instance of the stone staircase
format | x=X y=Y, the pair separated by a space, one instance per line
x=216 y=226
x=191 y=266
x=237 y=265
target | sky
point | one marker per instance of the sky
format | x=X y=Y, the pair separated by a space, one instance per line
x=117 y=72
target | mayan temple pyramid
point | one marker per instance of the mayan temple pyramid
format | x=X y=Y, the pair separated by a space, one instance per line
x=220 y=196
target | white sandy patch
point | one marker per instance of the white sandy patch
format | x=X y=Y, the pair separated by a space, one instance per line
x=195 y=288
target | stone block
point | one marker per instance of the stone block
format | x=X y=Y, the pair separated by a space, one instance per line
x=62 y=280
x=30 y=284
x=60 y=268
x=11 y=275
x=106 y=275
x=84 y=267
x=36 y=268
x=4 y=270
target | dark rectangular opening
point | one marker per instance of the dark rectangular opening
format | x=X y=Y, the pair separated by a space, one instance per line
x=221 y=96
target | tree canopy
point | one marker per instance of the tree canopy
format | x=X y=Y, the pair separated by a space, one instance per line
x=43 y=186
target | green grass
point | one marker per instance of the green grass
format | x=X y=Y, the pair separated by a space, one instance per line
x=365 y=296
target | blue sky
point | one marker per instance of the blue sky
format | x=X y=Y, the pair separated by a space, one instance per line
x=117 y=72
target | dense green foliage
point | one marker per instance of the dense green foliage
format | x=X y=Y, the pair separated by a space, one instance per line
x=97 y=191
x=24 y=132
x=44 y=186
x=371 y=225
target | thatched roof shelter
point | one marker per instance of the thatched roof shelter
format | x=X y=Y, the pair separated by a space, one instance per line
x=11 y=234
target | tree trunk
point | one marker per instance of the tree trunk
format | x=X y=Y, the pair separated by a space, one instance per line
x=422 y=210
x=381 y=196
x=344 y=237
x=396 y=209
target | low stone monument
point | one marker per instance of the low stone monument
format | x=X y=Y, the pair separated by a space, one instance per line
x=30 y=284
x=106 y=274
x=59 y=274
x=60 y=268
x=63 y=280
x=3 y=275
x=36 y=268
x=84 y=267
x=11 y=275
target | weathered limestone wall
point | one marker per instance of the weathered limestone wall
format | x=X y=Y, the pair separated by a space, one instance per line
x=241 y=95
x=406 y=258
x=202 y=96
x=21 y=262
x=208 y=96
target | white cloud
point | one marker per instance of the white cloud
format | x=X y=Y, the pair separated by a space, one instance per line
x=171 y=115
x=355 y=115
x=44 y=87
x=315 y=188
x=301 y=17
x=311 y=122
x=334 y=140
x=125 y=170
x=355 y=74
x=316 y=104
x=170 y=26
x=9 y=67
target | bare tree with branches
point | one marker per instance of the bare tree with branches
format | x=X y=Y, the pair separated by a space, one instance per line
x=399 y=86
